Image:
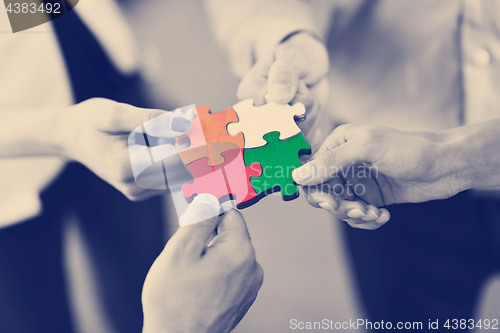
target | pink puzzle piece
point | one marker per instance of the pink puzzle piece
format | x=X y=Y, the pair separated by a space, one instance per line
x=195 y=132
x=231 y=179
x=194 y=136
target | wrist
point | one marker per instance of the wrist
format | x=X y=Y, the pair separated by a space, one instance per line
x=470 y=154
x=449 y=160
x=40 y=128
x=63 y=132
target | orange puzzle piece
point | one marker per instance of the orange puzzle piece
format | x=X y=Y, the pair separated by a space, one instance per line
x=208 y=136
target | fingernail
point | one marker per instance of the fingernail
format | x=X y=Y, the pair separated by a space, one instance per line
x=385 y=216
x=282 y=90
x=370 y=215
x=203 y=207
x=303 y=173
x=355 y=213
x=326 y=205
x=180 y=124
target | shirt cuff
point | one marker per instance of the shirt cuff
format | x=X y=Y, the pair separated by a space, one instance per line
x=19 y=207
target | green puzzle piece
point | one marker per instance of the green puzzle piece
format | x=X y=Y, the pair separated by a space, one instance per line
x=278 y=159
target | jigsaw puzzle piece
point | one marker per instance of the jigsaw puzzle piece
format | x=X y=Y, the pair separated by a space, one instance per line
x=278 y=158
x=238 y=177
x=256 y=121
x=230 y=180
x=192 y=145
x=212 y=182
x=195 y=133
x=213 y=151
x=208 y=137
x=215 y=126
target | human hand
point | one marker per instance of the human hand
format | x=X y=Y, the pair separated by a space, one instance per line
x=96 y=132
x=295 y=72
x=198 y=284
x=360 y=168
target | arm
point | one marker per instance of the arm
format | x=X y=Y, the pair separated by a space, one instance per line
x=94 y=133
x=402 y=167
x=196 y=287
x=22 y=132
x=276 y=49
x=250 y=30
x=474 y=154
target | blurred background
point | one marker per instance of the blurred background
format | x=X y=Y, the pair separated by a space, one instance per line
x=300 y=248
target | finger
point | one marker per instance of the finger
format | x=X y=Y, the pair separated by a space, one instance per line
x=197 y=225
x=385 y=216
x=153 y=122
x=373 y=219
x=324 y=166
x=283 y=82
x=340 y=208
x=167 y=125
x=329 y=164
x=304 y=96
x=304 y=174
x=254 y=83
x=372 y=213
x=347 y=209
x=232 y=232
x=364 y=226
x=308 y=56
x=125 y=117
x=340 y=135
x=315 y=196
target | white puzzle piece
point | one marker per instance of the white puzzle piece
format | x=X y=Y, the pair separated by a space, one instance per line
x=256 y=121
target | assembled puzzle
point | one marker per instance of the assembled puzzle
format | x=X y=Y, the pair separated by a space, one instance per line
x=244 y=152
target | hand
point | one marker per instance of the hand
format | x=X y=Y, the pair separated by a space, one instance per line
x=96 y=132
x=198 y=285
x=295 y=72
x=360 y=168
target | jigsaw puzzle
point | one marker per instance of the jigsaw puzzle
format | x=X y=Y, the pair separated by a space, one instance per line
x=255 y=121
x=208 y=136
x=278 y=158
x=229 y=180
x=244 y=152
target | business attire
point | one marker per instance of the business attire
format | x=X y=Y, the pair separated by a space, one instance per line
x=414 y=65
x=58 y=64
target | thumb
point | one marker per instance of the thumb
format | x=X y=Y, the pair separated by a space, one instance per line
x=127 y=118
x=167 y=125
x=198 y=224
x=338 y=151
x=283 y=82
x=232 y=233
x=328 y=164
